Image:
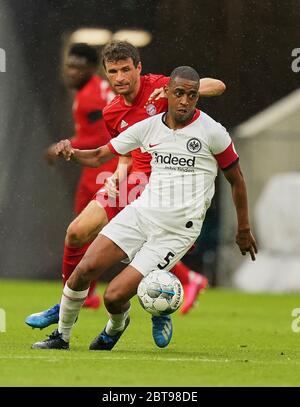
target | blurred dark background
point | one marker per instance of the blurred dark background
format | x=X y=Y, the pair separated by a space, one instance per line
x=247 y=44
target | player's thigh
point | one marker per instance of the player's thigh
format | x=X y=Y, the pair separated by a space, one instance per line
x=102 y=254
x=123 y=286
x=126 y=231
x=161 y=252
x=88 y=223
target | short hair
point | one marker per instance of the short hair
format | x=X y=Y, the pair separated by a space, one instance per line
x=84 y=50
x=185 y=72
x=118 y=50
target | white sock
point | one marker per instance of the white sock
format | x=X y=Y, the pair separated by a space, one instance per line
x=116 y=323
x=70 y=304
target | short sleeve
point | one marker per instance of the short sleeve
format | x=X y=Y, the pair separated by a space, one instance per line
x=128 y=140
x=222 y=147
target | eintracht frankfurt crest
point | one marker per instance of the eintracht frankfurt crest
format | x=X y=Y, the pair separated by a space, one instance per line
x=193 y=145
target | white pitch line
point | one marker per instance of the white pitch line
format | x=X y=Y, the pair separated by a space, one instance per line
x=48 y=358
x=151 y=359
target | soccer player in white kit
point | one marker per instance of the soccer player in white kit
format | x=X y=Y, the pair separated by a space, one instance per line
x=158 y=228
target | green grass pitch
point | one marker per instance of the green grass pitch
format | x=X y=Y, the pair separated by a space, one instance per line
x=228 y=339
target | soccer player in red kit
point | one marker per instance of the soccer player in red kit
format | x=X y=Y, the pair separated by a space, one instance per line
x=123 y=68
x=92 y=94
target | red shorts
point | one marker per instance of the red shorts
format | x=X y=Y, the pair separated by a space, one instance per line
x=91 y=180
x=127 y=194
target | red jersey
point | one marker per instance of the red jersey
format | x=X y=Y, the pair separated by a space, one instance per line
x=91 y=132
x=118 y=116
x=88 y=105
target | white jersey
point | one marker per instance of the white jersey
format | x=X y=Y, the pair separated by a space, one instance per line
x=184 y=167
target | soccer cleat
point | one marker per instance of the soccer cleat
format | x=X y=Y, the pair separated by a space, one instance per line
x=54 y=341
x=191 y=291
x=45 y=318
x=162 y=330
x=93 y=301
x=105 y=341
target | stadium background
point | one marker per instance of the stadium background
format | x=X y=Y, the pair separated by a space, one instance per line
x=247 y=44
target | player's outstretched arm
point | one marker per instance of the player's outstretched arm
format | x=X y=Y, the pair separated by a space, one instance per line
x=88 y=158
x=208 y=87
x=244 y=237
x=211 y=87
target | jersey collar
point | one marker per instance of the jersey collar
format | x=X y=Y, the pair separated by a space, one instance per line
x=192 y=119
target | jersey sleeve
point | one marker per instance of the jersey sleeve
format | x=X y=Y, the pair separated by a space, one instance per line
x=128 y=140
x=161 y=81
x=222 y=147
x=113 y=133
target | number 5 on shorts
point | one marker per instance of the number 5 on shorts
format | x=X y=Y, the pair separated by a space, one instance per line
x=169 y=256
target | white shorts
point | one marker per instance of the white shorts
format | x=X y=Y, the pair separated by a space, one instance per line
x=148 y=246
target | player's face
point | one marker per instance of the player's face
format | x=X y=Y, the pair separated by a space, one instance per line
x=77 y=71
x=123 y=76
x=183 y=95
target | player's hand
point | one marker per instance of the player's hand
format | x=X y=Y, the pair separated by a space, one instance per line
x=246 y=242
x=65 y=149
x=111 y=186
x=50 y=154
x=156 y=94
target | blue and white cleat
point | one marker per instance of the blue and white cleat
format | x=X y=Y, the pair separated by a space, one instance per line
x=105 y=341
x=45 y=318
x=162 y=330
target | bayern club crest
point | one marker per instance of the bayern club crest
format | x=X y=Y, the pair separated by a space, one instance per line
x=151 y=109
x=194 y=145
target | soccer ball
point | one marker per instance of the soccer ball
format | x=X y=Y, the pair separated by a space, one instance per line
x=160 y=293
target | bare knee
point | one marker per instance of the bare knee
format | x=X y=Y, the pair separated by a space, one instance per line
x=76 y=236
x=86 y=271
x=114 y=297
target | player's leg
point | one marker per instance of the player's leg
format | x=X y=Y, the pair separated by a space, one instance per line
x=102 y=254
x=164 y=249
x=159 y=250
x=193 y=284
x=116 y=300
x=79 y=234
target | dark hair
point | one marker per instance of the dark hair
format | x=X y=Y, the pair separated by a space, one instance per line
x=185 y=72
x=83 y=50
x=118 y=50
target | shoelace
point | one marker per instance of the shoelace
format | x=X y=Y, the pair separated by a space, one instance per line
x=106 y=338
x=55 y=335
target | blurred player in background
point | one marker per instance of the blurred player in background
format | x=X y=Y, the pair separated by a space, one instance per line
x=122 y=64
x=92 y=94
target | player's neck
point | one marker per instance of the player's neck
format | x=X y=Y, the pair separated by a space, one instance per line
x=82 y=85
x=173 y=124
x=130 y=97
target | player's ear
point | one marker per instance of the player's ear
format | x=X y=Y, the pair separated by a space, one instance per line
x=166 y=89
x=139 y=67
